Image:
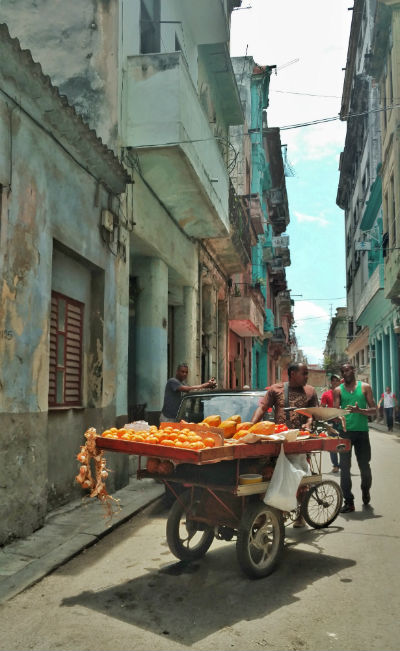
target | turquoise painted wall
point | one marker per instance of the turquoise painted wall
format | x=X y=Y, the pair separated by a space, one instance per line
x=260 y=182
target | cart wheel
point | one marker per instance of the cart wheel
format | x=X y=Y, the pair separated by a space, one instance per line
x=260 y=539
x=186 y=538
x=322 y=503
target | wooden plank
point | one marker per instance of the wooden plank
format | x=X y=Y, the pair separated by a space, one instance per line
x=180 y=455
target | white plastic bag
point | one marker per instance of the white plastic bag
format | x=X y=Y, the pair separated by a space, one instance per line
x=283 y=486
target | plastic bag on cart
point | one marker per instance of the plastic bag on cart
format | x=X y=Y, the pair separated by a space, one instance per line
x=285 y=481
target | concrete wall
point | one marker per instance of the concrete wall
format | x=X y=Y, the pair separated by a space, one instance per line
x=76 y=42
x=50 y=238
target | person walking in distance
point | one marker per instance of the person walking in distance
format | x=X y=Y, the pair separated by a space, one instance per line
x=357 y=398
x=327 y=401
x=389 y=403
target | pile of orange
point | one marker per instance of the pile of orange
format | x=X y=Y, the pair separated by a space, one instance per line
x=169 y=436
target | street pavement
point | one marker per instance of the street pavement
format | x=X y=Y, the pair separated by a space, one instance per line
x=67 y=532
x=74 y=527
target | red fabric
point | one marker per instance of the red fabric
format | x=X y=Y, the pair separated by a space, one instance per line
x=327 y=398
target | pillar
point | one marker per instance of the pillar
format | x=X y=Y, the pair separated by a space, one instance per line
x=223 y=350
x=386 y=372
x=378 y=366
x=394 y=362
x=151 y=332
x=185 y=334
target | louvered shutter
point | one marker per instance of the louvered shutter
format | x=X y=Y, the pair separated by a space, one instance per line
x=66 y=332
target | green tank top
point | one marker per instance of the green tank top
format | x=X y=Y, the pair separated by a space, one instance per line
x=354 y=422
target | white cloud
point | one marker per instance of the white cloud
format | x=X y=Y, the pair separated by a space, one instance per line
x=313 y=354
x=307 y=310
x=311 y=218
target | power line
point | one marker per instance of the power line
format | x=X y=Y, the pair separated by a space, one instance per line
x=337 y=117
x=292 y=92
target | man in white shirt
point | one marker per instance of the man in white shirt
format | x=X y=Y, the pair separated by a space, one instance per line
x=389 y=402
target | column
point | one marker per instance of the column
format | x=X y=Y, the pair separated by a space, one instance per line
x=394 y=362
x=378 y=366
x=185 y=334
x=386 y=373
x=151 y=332
x=223 y=353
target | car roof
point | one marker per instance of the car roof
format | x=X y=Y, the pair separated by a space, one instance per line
x=225 y=392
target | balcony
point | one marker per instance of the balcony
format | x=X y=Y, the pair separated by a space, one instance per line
x=278 y=336
x=374 y=284
x=246 y=313
x=254 y=207
x=281 y=249
x=234 y=252
x=164 y=123
x=284 y=302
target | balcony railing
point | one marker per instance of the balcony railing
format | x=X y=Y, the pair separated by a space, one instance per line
x=279 y=336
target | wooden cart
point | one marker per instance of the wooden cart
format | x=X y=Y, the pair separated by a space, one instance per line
x=212 y=503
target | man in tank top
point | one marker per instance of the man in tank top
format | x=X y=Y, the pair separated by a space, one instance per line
x=357 y=398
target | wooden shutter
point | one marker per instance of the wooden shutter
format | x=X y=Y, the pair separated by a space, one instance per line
x=66 y=333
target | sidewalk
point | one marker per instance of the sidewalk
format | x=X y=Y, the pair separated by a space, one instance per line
x=65 y=534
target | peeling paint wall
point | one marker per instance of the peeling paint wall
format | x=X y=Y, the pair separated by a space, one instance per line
x=85 y=34
x=50 y=239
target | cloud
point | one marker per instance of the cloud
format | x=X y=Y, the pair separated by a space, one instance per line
x=313 y=354
x=306 y=310
x=310 y=218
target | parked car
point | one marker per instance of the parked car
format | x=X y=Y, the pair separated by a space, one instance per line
x=196 y=406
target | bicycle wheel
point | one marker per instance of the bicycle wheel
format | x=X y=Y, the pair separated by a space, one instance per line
x=187 y=539
x=322 y=503
x=260 y=539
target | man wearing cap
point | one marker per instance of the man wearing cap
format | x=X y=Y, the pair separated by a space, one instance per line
x=327 y=401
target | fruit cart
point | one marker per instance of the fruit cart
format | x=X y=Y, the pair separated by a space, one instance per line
x=213 y=502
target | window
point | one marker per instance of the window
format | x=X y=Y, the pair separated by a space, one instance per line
x=149 y=26
x=66 y=333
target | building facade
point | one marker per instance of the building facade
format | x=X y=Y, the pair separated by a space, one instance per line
x=260 y=156
x=372 y=344
x=155 y=81
x=63 y=316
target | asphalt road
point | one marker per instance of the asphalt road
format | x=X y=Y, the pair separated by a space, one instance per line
x=336 y=588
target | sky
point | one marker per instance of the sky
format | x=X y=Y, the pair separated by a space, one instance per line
x=307 y=40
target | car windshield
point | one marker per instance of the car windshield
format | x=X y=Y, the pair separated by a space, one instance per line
x=195 y=408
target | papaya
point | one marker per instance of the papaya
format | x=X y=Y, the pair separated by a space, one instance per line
x=246 y=425
x=263 y=427
x=229 y=427
x=213 y=420
x=236 y=418
x=240 y=433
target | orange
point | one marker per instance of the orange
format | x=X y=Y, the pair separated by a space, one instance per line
x=209 y=442
x=167 y=442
